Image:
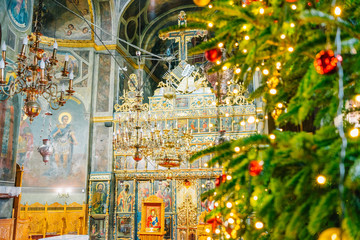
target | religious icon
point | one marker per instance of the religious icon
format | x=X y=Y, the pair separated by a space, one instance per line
x=207 y=204
x=182 y=125
x=143 y=192
x=226 y=124
x=204 y=125
x=193 y=125
x=167 y=228
x=19 y=12
x=164 y=193
x=125 y=199
x=214 y=125
x=99 y=196
x=97 y=228
x=152 y=222
x=64 y=141
x=124 y=227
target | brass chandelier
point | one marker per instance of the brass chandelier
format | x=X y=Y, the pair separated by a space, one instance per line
x=35 y=73
x=137 y=131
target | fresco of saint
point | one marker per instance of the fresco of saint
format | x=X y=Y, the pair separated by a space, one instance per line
x=64 y=141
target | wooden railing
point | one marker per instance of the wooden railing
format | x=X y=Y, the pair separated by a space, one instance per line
x=55 y=219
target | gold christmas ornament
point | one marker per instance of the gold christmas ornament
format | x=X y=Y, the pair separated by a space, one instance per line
x=201 y=3
x=273 y=82
x=333 y=234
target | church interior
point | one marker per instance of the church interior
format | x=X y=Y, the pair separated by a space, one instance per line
x=183 y=120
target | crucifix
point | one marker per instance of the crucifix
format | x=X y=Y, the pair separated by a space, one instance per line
x=183 y=36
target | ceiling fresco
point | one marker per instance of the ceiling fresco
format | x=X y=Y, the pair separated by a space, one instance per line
x=62 y=24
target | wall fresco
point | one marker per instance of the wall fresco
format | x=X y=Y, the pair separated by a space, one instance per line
x=68 y=132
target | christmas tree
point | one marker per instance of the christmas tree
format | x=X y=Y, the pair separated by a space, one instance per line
x=302 y=181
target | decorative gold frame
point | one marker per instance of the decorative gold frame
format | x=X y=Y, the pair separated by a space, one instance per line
x=152 y=201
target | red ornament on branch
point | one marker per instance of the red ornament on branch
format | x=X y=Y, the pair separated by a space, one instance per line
x=255 y=168
x=220 y=179
x=325 y=62
x=213 y=55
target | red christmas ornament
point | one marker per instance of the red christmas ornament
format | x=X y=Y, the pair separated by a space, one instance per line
x=213 y=55
x=325 y=62
x=220 y=179
x=255 y=168
x=291 y=1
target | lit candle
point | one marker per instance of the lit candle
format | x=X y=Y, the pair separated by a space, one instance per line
x=42 y=70
x=64 y=72
x=3 y=48
x=2 y=67
x=25 y=43
x=55 y=49
x=71 y=77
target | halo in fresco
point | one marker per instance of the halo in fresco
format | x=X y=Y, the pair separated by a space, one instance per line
x=19 y=12
x=61 y=115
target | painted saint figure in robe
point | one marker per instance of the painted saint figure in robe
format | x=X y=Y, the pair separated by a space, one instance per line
x=19 y=12
x=165 y=194
x=152 y=220
x=99 y=199
x=64 y=141
x=125 y=199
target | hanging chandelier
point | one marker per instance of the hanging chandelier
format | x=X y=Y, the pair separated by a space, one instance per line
x=35 y=73
x=133 y=132
x=139 y=134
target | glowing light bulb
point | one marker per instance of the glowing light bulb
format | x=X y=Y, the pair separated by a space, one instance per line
x=220 y=45
x=257 y=69
x=216 y=204
x=321 y=179
x=210 y=6
x=242 y=123
x=209 y=238
x=290 y=49
x=229 y=205
x=217 y=231
x=243 y=5
x=273 y=91
x=246 y=37
x=228 y=177
x=238 y=70
x=213 y=103
x=280 y=105
x=228 y=236
x=236 y=91
x=224 y=67
x=357 y=98
x=255 y=198
x=293 y=7
x=226 y=114
x=244 y=27
x=337 y=11
x=244 y=50
x=205 y=164
x=218 y=62
x=210 y=24
x=261 y=11
x=292 y=25
x=251 y=119
x=259 y=225
x=207 y=230
x=236 y=44
x=282 y=36
x=354 y=132
x=265 y=71
x=272 y=136
x=237 y=149
x=231 y=220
